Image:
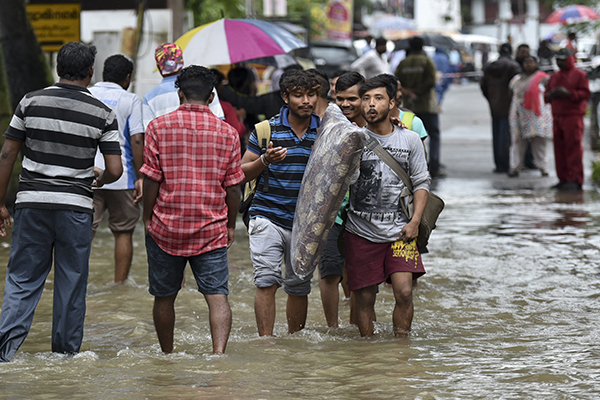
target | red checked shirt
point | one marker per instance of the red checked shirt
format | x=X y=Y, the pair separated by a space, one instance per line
x=195 y=156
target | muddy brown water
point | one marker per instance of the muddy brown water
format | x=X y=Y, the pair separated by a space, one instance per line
x=507 y=310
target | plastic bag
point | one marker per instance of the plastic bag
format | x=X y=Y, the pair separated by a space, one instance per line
x=334 y=159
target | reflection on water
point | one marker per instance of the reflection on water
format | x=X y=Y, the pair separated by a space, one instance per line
x=508 y=309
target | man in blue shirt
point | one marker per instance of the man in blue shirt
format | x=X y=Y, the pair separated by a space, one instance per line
x=280 y=170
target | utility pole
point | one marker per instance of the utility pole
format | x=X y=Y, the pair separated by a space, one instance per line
x=176 y=7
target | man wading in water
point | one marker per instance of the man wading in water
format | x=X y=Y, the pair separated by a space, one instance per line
x=191 y=200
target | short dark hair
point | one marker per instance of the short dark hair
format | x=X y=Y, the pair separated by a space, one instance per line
x=219 y=77
x=339 y=73
x=323 y=80
x=387 y=81
x=416 y=43
x=116 y=68
x=196 y=82
x=380 y=42
x=75 y=61
x=348 y=80
x=523 y=46
x=241 y=79
x=299 y=79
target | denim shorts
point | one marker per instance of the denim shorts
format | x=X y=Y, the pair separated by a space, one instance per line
x=165 y=271
x=269 y=247
x=332 y=261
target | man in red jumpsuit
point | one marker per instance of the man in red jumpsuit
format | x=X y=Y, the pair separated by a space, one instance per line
x=568 y=92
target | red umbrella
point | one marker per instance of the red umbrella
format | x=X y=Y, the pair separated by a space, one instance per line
x=572 y=15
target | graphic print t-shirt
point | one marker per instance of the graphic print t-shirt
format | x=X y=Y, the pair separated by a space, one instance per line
x=375 y=211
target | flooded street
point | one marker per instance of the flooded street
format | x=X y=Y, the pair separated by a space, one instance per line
x=508 y=308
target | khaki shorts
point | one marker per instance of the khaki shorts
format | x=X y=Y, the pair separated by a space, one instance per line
x=123 y=215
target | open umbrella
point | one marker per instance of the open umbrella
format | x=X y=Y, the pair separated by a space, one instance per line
x=228 y=41
x=429 y=39
x=572 y=15
x=279 y=60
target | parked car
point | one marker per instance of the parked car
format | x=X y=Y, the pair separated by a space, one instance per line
x=329 y=56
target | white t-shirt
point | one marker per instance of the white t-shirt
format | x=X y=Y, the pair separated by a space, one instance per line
x=128 y=107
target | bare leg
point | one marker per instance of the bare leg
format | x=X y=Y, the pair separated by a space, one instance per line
x=330 y=296
x=264 y=309
x=296 y=310
x=345 y=284
x=219 y=315
x=164 y=321
x=365 y=309
x=123 y=255
x=404 y=308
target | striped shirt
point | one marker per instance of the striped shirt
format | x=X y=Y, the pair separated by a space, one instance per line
x=278 y=204
x=61 y=128
x=128 y=108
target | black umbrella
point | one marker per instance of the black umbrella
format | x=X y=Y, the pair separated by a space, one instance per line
x=429 y=39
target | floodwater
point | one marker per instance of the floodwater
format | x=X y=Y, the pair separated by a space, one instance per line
x=507 y=310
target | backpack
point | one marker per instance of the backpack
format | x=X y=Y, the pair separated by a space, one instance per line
x=407 y=119
x=263 y=132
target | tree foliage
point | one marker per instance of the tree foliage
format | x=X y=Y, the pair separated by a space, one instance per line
x=206 y=11
x=25 y=63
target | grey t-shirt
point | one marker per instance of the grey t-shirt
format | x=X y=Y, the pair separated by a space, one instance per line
x=375 y=211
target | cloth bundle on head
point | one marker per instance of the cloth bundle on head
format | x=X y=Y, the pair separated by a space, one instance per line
x=169 y=58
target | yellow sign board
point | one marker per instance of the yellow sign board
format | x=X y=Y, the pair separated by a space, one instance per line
x=55 y=24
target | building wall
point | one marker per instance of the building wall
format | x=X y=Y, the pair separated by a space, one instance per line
x=438 y=15
x=105 y=28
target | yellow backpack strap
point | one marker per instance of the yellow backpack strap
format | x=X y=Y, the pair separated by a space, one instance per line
x=263 y=133
x=407 y=119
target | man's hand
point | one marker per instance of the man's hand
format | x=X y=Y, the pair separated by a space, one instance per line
x=410 y=231
x=560 y=91
x=98 y=172
x=138 y=192
x=397 y=121
x=4 y=220
x=230 y=236
x=275 y=155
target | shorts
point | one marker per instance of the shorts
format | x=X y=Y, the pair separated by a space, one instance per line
x=123 y=215
x=332 y=261
x=369 y=263
x=269 y=247
x=165 y=271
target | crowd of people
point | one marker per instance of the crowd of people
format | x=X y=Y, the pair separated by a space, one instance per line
x=185 y=149
x=529 y=107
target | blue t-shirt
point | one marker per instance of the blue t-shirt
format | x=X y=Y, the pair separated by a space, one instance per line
x=278 y=203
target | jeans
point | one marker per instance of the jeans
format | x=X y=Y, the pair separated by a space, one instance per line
x=39 y=235
x=165 y=271
x=501 y=143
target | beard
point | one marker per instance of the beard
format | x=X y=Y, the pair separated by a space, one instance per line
x=379 y=117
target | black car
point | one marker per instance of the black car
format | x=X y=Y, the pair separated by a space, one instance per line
x=330 y=57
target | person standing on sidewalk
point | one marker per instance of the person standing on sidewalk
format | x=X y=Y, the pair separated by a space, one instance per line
x=191 y=199
x=494 y=86
x=568 y=92
x=121 y=198
x=59 y=129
